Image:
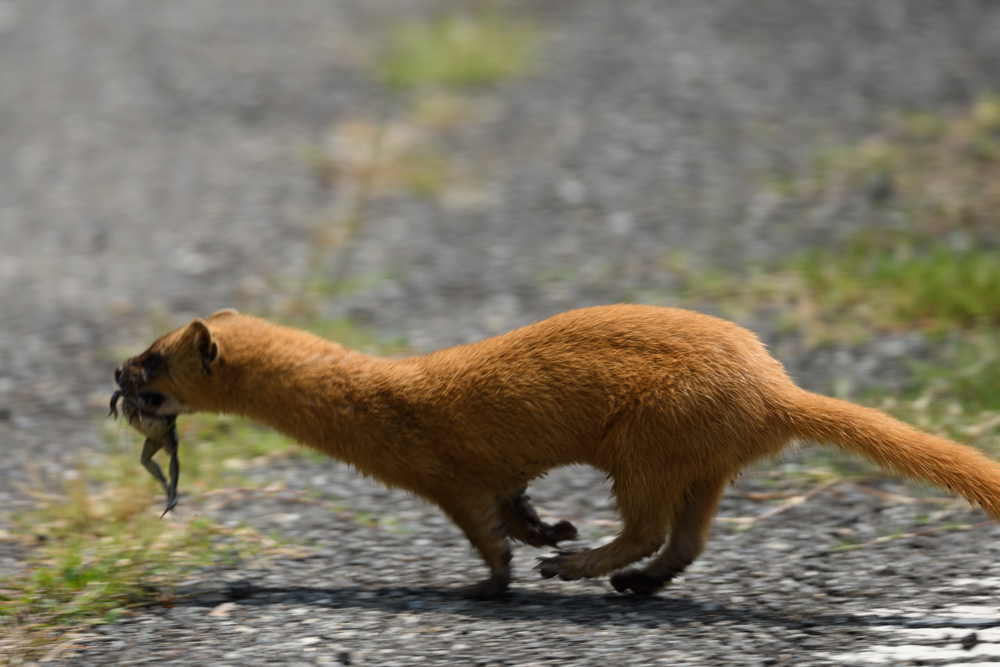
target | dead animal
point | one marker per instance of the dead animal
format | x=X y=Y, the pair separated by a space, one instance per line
x=161 y=433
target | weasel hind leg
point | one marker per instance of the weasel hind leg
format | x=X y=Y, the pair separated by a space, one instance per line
x=488 y=520
x=645 y=515
x=688 y=535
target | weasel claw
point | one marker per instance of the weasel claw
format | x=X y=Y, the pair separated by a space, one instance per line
x=558 y=565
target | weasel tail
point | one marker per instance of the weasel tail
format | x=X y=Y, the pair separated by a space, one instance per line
x=891 y=444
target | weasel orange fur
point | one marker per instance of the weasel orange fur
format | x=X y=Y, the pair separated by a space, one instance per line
x=671 y=404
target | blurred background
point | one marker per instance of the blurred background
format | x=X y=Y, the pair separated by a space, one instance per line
x=404 y=175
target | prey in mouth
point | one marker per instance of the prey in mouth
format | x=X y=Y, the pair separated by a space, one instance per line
x=141 y=410
x=155 y=386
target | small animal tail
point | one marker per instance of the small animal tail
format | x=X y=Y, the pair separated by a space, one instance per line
x=891 y=444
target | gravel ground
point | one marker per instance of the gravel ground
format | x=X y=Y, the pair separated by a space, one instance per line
x=152 y=169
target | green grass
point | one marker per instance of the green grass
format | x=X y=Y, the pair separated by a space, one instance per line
x=382 y=157
x=879 y=282
x=461 y=50
x=216 y=449
x=968 y=374
x=936 y=174
x=439 y=64
x=928 y=260
x=934 y=261
x=863 y=289
x=898 y=284
x=97 y=548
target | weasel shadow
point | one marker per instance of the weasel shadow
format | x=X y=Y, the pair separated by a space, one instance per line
x=520 y=605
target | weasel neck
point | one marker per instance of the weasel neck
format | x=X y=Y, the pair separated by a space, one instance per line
x=318 y=392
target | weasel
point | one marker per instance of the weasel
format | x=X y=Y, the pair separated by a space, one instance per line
x=669 y=403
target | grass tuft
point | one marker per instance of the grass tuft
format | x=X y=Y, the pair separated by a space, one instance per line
x=933 y=177
x=967 y=375
x=897 y=284
x=381 y=157
x=97 y=548
x=457 y=51
x=930 y=259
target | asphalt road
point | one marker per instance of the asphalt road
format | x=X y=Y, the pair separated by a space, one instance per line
x=154 y=166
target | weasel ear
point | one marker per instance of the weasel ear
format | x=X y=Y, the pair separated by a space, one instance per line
x=224 y=311
x=205 y=344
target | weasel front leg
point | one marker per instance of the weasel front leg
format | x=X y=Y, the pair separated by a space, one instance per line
x=524 y=525
x=479 y=517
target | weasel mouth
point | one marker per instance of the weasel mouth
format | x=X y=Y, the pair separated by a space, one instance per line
x=149 y=401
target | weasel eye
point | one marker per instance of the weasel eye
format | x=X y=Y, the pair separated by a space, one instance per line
x=152 y=363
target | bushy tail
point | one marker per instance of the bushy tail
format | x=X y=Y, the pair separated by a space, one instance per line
x=892 y=444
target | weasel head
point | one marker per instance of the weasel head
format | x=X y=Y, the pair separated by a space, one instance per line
x=176 y=375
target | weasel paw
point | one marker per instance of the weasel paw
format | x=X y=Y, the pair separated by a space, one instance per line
x=562 y=565
x=636 y=581
x=562 y=531
x=543 y=534
x=487 y=589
